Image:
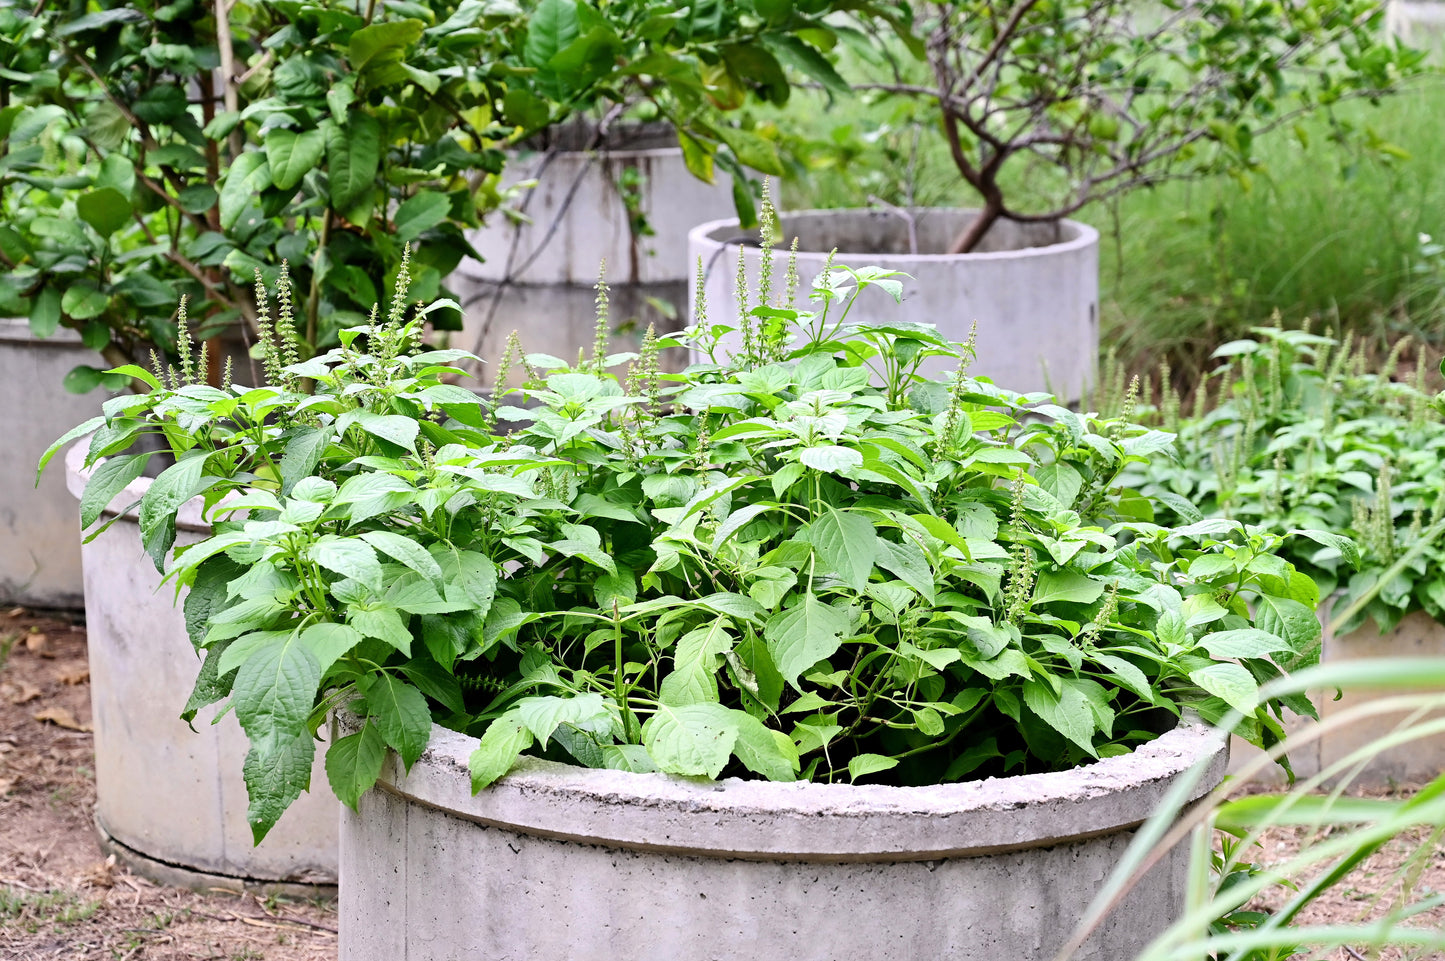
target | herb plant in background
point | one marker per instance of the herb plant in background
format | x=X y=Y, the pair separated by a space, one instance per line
x=153 y=150
x=801 y=561
x=1295 y=431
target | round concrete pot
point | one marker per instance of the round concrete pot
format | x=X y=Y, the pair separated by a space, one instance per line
x=39 y=552
x=1417 y=762
x=537 y=277
x=555 y=861
x=170 y=802
x=1033 y=289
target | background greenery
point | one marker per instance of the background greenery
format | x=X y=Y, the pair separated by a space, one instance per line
x=1326 y=226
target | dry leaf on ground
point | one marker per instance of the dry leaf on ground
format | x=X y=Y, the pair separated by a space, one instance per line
x=72 y=678
x=37 y=644
x=61 y=717
x=21 y=694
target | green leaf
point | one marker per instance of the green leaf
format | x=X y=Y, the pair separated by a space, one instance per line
x=303 y=452
x=421 y=213
x=403 y=716
x=392 y=428
x=1230 y=682
x=291 y=155
x=472 y=578
x=328 y=641
x=353 y=763
x=847 y=545
x=1068 y=712
x=109 y=479
x=384 y=624
x=350 y=557
x=862 y=765
x=246 y=178
x=274 y=691
x=408 y=552
x=763 y=750
x=1244 y=642
x=831 y=458
x=382 y=43
x=805 y=634
x=585 y=542
x=553 y=25
x=1347 y=548
x=543 y=715
x=353 y=156
x=106 y=209
x=694 y=740
x=1067 y=586
x=175 y=485
x=45 y=312
x=81 y=301
x=501 y=744
x=211 y=686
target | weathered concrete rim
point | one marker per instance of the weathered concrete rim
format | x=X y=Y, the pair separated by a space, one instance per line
x=179 y=876
x=16 y=330
x=722 y=233
x=763 y=820
x=189 y=518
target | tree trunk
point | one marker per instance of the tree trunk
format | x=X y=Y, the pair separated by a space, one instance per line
x=974 y=233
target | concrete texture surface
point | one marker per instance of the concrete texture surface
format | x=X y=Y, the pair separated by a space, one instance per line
x=174 y=796
x=39 y=546
x=537 y=277
x=1033 y=289
x=1421 y=760
x=561 y=862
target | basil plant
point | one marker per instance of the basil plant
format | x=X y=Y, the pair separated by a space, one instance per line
x=800 y=558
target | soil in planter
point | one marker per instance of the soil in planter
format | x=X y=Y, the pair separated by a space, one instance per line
x=59 y=899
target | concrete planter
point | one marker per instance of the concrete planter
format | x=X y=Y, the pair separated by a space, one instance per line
x=1419 y=23
x=537 y=278
x=39 y=552
x=1032 y=288
x=170 y=802
x=1419 y=761
x=561 y=862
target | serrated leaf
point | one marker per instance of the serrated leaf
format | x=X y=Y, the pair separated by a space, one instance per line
x=1231 y=683
x=803 y=635
x=543 y=715
x=501 y=744
x=175 y=485
x=384 y=624
x=763 y=750
x=695 y=740
x=273 y=694
x=862 y=765
x=350 y=557
x=830 y=458
x=329 y=641
x=392 y=428
x=1067 y=586
x=108 y=480
x=1244 y=642
x=1068 y=712
x=353 y=763
x=1347 y=548
x=846 y=544
x=402 y=715
x=408 y=552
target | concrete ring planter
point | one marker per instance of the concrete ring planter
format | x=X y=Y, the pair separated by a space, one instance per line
x=171 y=803
x=39 y=552
x=556 y=861
x=537 y=278
x=1033 y=289
x=1417 y=762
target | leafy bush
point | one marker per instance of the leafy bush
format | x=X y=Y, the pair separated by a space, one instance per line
x=1303 y=435
x=801 y=560
x=152 y=150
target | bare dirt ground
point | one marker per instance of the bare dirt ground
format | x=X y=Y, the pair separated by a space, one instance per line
x=58 y=898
